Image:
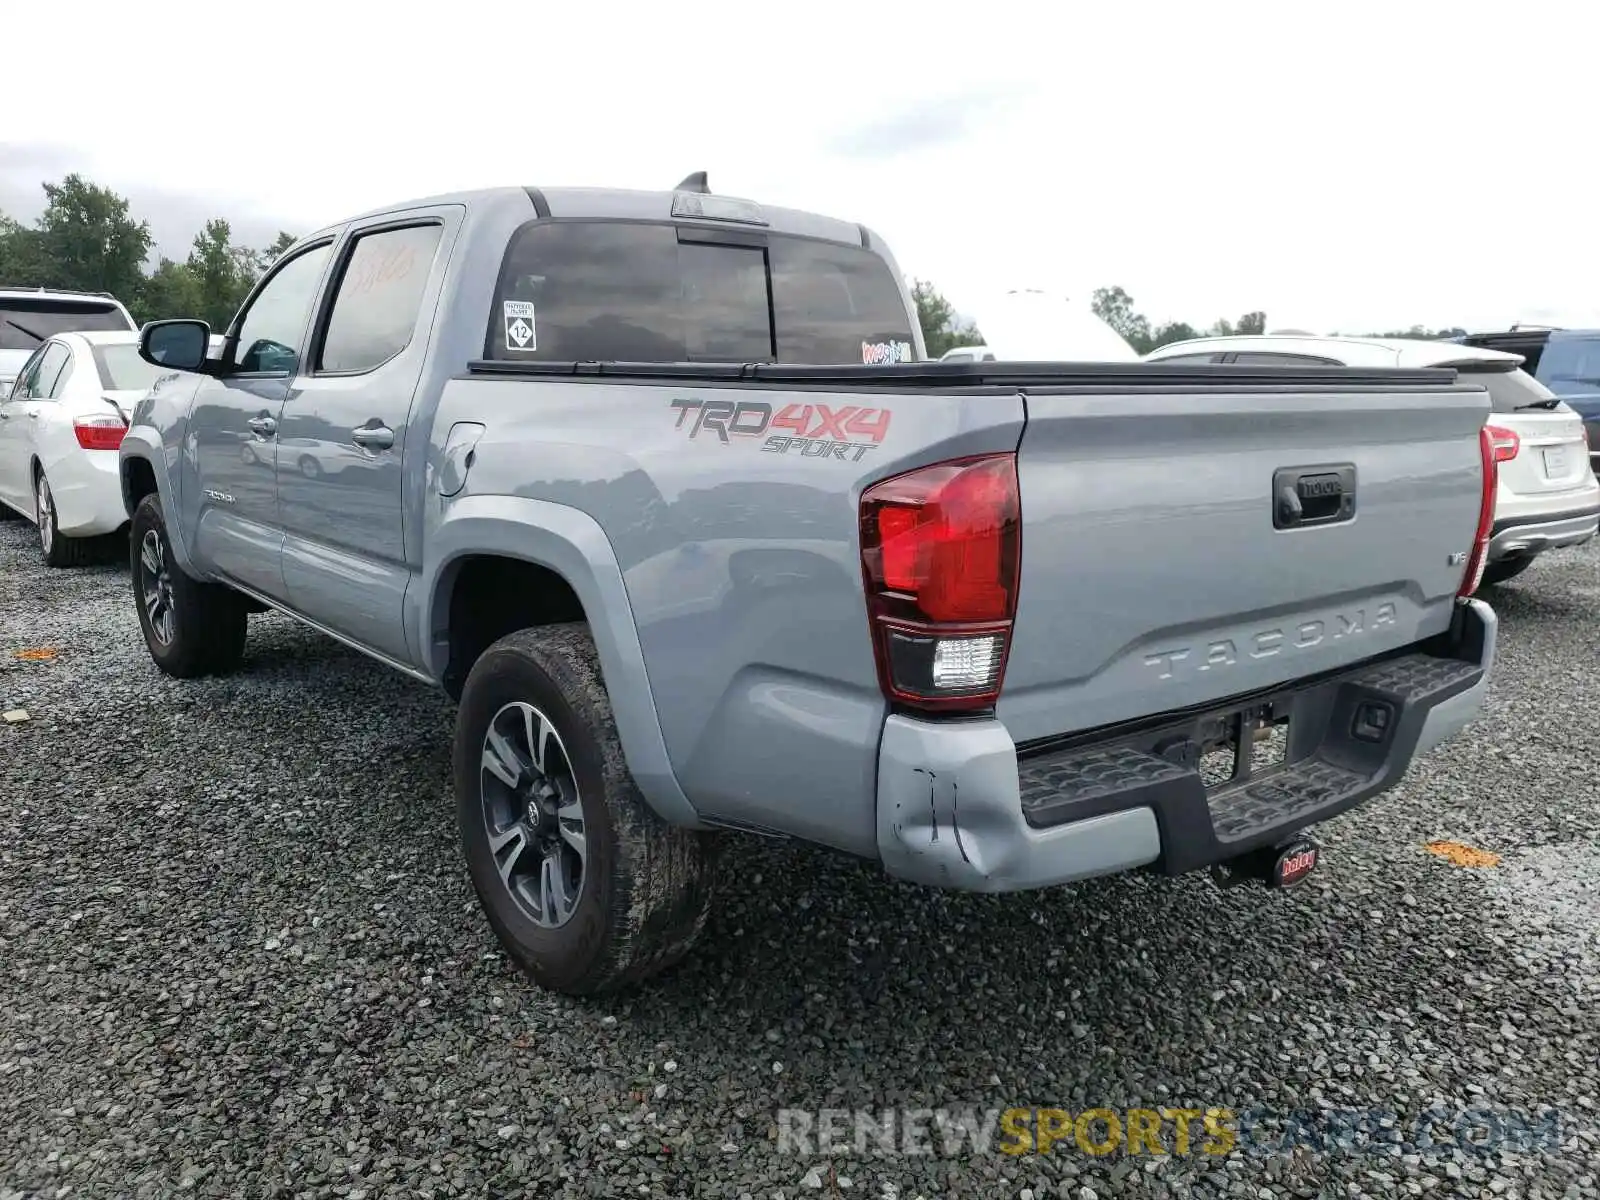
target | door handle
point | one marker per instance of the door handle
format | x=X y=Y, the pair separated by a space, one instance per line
x=263 y=425
x=378 y=437
x=33 y=414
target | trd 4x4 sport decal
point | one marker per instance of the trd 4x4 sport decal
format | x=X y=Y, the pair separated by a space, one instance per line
x=812 y=430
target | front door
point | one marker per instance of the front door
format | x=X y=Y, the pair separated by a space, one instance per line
x=235 y=424
x=342 y=438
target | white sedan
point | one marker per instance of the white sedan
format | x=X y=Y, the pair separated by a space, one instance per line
x=60 y=429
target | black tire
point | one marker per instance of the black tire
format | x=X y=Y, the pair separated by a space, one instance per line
x=646 y=886
x=58 y=551
x=1506 y=568
x=208 y=621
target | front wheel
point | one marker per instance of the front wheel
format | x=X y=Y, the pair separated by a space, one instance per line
x=58 y=550
x=585 y=887
x=191 y=628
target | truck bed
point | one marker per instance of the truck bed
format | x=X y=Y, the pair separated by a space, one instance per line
x=1153 y=578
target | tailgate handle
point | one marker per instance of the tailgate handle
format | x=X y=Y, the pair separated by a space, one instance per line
x=1308 y=496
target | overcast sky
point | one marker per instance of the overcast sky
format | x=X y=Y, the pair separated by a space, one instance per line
x=1369 y=166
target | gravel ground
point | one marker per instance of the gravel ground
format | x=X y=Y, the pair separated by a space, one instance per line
x=239 y=956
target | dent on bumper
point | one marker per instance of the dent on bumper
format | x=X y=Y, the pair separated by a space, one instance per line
x=950 y=808
x=950 y=814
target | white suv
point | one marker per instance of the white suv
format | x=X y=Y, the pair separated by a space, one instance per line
x=1548 y=495
x=29 y=317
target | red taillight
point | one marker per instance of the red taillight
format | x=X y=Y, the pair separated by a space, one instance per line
x=1506 y=442
x=99 y=433
x=1489 y=450
x=940 y=551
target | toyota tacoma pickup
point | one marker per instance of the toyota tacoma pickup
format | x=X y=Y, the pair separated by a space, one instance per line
x=661 y=490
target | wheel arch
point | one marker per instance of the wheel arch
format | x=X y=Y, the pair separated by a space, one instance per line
x=564 y=555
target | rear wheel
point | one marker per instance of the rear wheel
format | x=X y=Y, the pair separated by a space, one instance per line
x=1506 y=568
x=58 y=550
x=586 y=888
x=191 y=628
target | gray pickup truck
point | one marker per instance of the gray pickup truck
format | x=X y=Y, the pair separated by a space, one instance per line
x=659 y=487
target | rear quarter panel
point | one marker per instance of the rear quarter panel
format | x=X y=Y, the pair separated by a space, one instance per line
x=740 y=557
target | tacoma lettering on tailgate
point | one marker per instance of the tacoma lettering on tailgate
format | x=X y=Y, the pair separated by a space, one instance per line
x=1264 y=643
x=844 y=431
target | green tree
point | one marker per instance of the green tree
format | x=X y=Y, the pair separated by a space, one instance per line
x=223 y=273
x=21 y=258
x=170 y=291
x=1172 y=331
x=1252 y=322
x=280 y=244
x=1115 y=307
x=941 y=330
x=87 y=240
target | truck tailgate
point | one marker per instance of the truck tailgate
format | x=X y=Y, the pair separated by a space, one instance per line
x=1157 y=572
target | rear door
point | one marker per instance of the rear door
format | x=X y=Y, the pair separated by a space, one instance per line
x=342 y=435
x=234 y=427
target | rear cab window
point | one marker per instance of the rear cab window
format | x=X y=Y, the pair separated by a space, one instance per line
x=640 y=291
x=26 y=321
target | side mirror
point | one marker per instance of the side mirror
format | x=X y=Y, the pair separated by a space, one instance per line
x=176 y=345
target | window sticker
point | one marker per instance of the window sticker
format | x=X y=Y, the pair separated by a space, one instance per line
x=521 y=333
x=880 y=353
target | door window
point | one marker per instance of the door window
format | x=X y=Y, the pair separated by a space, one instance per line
x=38 y=380
x=19 y=389
x=379 y=298
x=274 y=324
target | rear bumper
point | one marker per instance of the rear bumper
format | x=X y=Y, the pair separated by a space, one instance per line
x=87 y=490
x=1549 y=531
x=957 y=809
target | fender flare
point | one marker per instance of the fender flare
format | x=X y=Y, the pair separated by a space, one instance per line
x=571 y=543
x=143 y=443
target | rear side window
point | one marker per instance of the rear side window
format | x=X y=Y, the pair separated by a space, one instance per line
x=379 y=298
x=1571 y=365
x=25 y=322
x=1510 y=390
x=634 y=292
x=1188 y=358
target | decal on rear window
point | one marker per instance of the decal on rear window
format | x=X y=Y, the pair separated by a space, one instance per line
x=521 y=333
x=879 y=353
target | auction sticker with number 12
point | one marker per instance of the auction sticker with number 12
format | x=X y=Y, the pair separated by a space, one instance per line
x=520 y=330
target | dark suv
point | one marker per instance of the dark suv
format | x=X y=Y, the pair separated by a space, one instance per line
x=1567 y=361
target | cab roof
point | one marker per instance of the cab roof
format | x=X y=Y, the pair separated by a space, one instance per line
x=622 y=204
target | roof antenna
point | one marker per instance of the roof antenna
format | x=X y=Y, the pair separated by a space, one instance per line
x=694 y=183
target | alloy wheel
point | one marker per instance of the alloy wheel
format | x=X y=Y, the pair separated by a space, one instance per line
x=44 y=504
x=155 y=587
x=532 y=814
